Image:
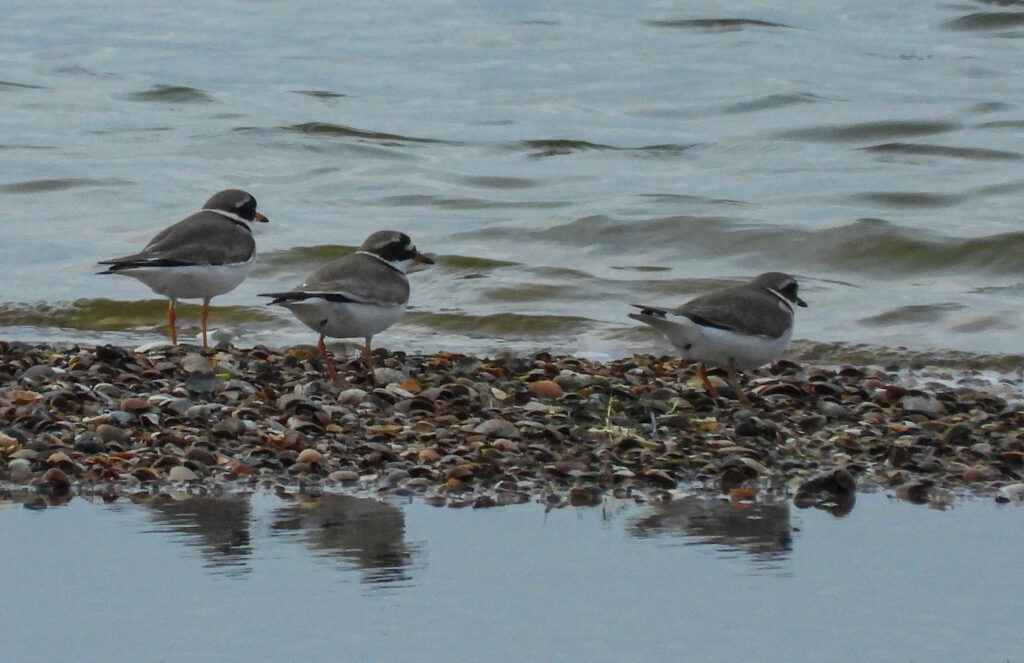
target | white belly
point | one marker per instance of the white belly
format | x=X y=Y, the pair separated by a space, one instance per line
x=718 y=347
x=192 y=281
x=345 y=319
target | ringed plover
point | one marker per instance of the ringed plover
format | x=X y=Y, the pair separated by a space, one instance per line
x=738 y=328
x=356 y=295
x=205 y=255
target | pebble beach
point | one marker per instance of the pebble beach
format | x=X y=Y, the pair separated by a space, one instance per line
x=458 y=430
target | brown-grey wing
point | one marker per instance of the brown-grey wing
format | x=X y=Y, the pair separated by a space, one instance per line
x=205 y=238
x=360 y=278
x=741 y=310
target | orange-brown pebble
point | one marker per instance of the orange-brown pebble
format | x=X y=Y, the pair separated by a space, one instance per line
x=310 y=456
x=19 y=397
x=411 y=386
x=145 y=474
x=503 y=444
x=742 y=496
x=242 y=470
x=429 y=455
x=459 y=472
x=451 y=484
x=62 y=460
x=546 y=389
x=134 y=404
x=972 y=474
x=56 y=480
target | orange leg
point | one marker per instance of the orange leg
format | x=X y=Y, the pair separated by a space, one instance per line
x=702 y=373
x=203 y=314
x=368 y=360
x=171 y=322
x=328 y=362
x=735 y=384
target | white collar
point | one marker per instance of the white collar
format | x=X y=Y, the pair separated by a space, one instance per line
x=397 y=265
x=782 y=298
x=230 y=215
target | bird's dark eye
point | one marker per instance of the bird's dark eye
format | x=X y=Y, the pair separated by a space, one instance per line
x=790 y=290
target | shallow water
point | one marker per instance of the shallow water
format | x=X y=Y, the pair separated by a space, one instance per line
x=262 y=579
x=560 y=161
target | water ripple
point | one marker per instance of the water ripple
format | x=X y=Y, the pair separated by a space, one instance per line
x=909 y=199
x=342 y=131
x=47 y=186
x=177 y=94
x=987 y=21
x=869 y=131
x=550 y=147
x=873 y=245
x=716 y=24
x=4 y=85
x=772 y=101
x=912 y=314
x=320 y=94
x=445 y=202
x=920 y=149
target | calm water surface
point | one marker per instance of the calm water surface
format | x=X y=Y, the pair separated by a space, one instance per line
x=344 y=578
x=561 y=161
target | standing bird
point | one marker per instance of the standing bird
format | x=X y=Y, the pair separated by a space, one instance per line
x=741 y=327
x=205 y=255
x=356 y=295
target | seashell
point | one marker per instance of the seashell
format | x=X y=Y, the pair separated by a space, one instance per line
x=497 y=428
x=463 y=471
x=8 y=444
x=779 y=389
x=181 y=473
x=145 y=474
x=568 y=467
x=661 y=478
x=504 y=444
x=546 y=389
x=351 y=396
x=109 y=433
x=310 y=457
x=708 y=425
x=395 y=389
x=203 y=383
x=20 y=397
x=242 y=470
x=25 y=454
x=62 y=460
x=19 y=470
x=56 y=481
x=134 y=404
x=429 y=455
x=201 y=455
